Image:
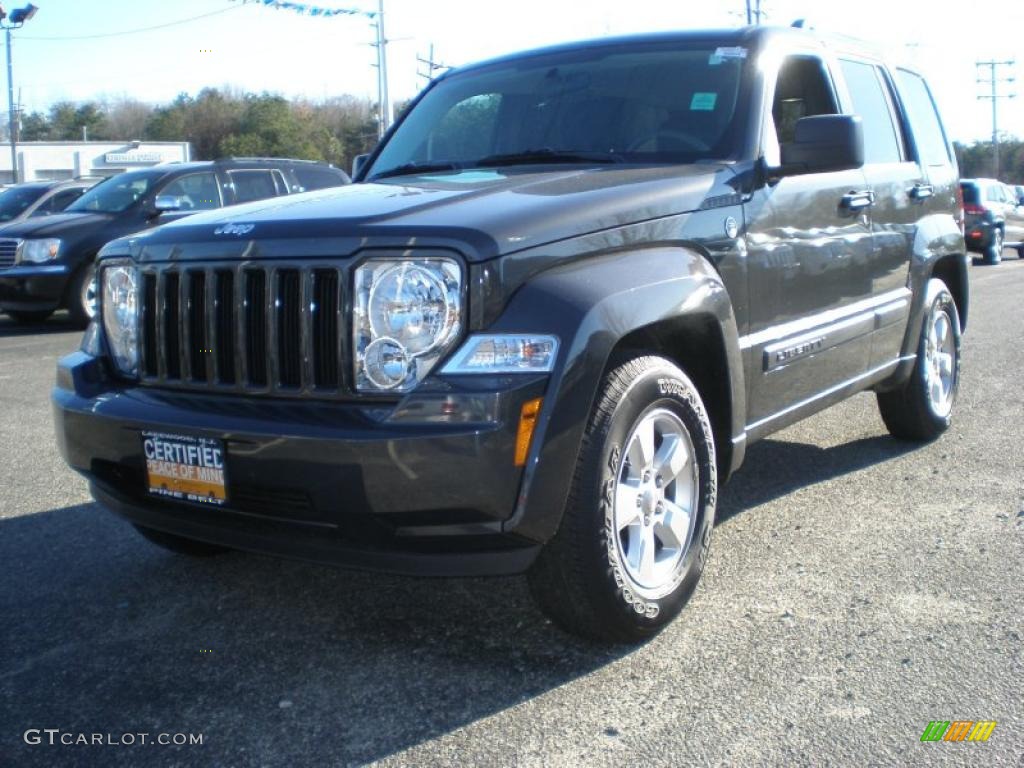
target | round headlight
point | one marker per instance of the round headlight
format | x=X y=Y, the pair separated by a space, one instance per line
x=120 y=316
x=387 y=363
x=410 y=305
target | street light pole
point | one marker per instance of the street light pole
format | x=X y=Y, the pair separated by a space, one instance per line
x=14 y=19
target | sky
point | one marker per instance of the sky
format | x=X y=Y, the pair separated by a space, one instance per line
x=75 y=49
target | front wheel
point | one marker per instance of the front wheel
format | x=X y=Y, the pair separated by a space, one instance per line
x=922 y=409
x=636 y=529
x=82 y=296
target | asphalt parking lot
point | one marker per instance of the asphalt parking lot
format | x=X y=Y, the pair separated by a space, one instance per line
x=858 y=588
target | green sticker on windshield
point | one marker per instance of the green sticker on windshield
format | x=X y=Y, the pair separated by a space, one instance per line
x=703 y=102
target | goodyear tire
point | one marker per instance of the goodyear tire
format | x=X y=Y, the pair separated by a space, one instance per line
x=636 y=530
x=922 y=409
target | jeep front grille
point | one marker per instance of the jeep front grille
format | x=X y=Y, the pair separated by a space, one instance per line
x=8 y=247
x=252 y=328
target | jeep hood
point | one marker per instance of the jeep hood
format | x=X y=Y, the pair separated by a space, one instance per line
x=485 y=212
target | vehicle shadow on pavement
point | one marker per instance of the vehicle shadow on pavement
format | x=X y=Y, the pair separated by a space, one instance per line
x=774 y=468
x=275 y=662
x=58 y=323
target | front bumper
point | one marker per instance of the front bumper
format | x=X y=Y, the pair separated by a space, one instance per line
x=413 y=488
x=33 y=287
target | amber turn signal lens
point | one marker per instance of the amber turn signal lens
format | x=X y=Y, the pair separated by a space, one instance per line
x=527 y=421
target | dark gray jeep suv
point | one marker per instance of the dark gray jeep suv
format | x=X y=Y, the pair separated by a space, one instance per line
x=540 y=329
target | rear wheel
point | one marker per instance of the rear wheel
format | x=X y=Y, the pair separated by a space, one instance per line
x=637 y=526
x=179 y=544
x=28 y=317
x=923 y=408
x=995 y=251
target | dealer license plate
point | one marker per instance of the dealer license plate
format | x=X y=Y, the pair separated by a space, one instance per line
x=185 y=467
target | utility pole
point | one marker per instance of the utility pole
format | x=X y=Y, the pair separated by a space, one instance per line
x=431 y=64
x=383 y=100
x=750 y=14
x=988 y=75
x=12 y=128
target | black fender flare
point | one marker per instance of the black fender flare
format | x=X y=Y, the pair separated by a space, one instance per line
x=938 y=251
x=591 y=304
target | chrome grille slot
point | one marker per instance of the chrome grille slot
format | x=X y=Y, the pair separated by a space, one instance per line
x=8 y=249
x=289 y=333
x=195 y=328
x=326 y=307
x=271 y=329
x=256 y=326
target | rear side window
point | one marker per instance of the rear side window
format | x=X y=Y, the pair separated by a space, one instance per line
x=994 y=192
x=59 y=201
x=253 y=185
x=881 y=142
x=319 y=177
x=925 y=125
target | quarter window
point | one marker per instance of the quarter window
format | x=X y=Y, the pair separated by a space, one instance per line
x=930 y=139
x=881 y=141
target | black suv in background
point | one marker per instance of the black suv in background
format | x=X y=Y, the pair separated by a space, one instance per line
x=39 y=198
x=47 y=263
x=993 y=218
x=563 y=296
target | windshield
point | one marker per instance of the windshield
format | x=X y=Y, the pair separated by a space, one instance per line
x=650 y=104
x=116 y=194
x=15 y=200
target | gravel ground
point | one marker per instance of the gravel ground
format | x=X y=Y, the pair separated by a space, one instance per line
x=857 y=589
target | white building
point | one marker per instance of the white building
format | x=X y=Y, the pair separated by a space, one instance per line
x=39 y=160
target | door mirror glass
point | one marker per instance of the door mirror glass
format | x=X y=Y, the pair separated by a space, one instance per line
x=824 y=143
x=357 y=164
x=167 y=203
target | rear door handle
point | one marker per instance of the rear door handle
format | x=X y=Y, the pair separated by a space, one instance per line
x=858 y=201
x=921 y=191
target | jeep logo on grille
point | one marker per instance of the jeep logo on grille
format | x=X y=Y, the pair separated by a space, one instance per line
x=234 y=229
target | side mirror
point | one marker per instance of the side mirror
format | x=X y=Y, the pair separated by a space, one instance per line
x=824 y=143
x=166 y=203
x=357 y=164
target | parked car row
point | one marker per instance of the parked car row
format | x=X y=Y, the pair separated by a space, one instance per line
x=46 y=262
x=993 y=218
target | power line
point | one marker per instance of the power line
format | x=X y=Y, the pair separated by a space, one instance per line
x=133 y=31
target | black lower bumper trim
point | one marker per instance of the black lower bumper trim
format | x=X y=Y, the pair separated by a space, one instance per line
x=313 y=544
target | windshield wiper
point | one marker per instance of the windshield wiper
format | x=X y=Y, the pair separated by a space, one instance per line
x=548 y=155
x=411 y=169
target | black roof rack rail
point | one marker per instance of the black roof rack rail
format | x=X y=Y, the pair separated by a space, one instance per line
x=270 y=160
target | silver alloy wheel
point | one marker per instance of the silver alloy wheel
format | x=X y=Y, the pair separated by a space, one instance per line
x=997 y=242
x=940 y=363
x=656 y=499
x=89 y=291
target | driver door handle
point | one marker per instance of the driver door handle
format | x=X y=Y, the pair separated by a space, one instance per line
x=921 y=191
x=858 y=201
